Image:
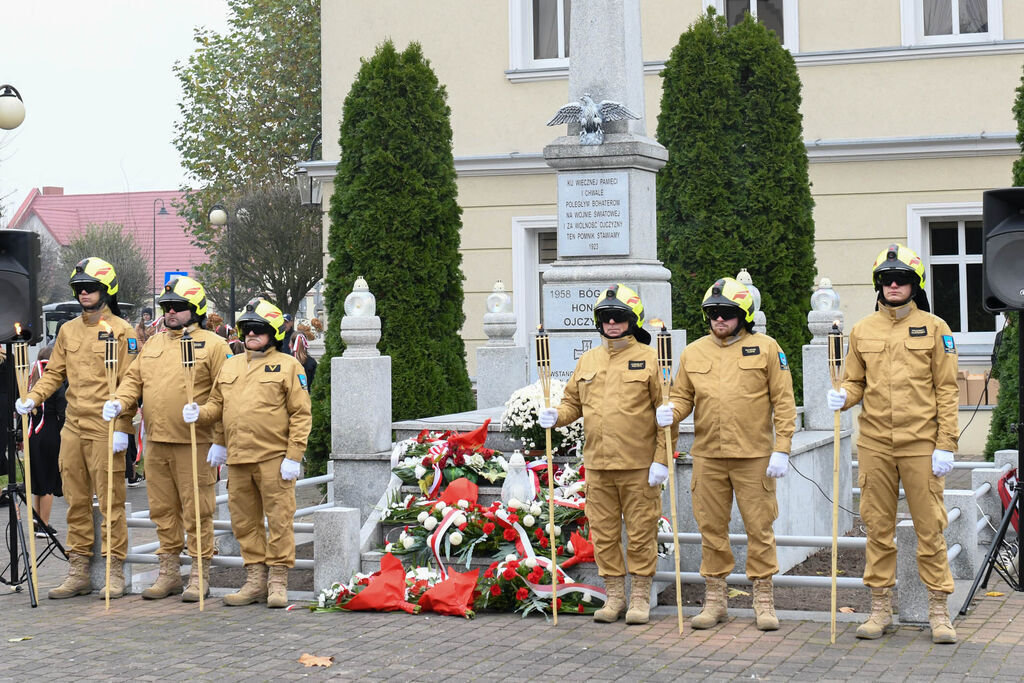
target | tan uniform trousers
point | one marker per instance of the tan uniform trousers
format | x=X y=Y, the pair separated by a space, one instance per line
x=254 y=490
x=879 y=476
x=712 y=485
x=169 y=486
x=614 y=496
x=83 y=469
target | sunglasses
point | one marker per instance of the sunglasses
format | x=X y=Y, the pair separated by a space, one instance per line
x=246 y=330
x=173 y=306
x=610 y=315
x=87 y=287
x=723 y=312
x=897 y=277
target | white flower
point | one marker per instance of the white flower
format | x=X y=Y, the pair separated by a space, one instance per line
x=568 y=546
x=514 y=504
x=585 y=597
x=441 y=505
x=535 y=509
x=455 y=538
x=529 y=520
x=422 y=517
x=423 y=573
x=420 y=471
x=503 y=463
x=463 y=503
x=477 y=460
x=530 y=562
x=558 y=529
x=459 y=519
x=408 y=542
x=430 y=523
x=388 y=547
x=510 y=557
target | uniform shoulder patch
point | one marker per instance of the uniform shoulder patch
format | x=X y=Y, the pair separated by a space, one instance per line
x=783 y=363
x=272 y=368
x=637 y=364
x=751 y=350
x=948 y=344
x=919 y=331
x=133 y=345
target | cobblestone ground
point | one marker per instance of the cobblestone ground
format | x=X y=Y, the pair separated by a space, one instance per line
x=168 y=640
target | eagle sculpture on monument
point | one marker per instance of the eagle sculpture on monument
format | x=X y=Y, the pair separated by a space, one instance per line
x=591 y=116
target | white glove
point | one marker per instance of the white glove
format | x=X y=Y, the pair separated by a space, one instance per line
x=778 y=465
x=120 y=442
x=190 y=412
x=942 y=462
x=217 y=456
x=657 y=475
x=664 y=415
x=836 y=399
x=547 y=417
x=111 y=409
x=290 y=469
x=24 y=406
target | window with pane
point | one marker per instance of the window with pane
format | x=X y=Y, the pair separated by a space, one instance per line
x=780 y=16
x=954 y=277
x=550 y=29
x=938 y=22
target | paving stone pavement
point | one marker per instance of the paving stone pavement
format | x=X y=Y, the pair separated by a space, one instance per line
x=144 y=640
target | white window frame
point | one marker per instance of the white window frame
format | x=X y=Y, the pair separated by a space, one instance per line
x=526 y=271
x=790 y=20
x=912 y=26
x=520 y=44
x=919 y=239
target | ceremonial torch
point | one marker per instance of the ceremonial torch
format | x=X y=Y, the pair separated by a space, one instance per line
x=544 y=375
x=835 y=372
x=110 y=368
x=188 y=363
x=21 y=369
x=665 y=368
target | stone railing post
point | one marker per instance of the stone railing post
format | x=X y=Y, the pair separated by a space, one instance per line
x=501 y=366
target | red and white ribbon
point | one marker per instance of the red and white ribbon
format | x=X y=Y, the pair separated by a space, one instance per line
x=434 y=539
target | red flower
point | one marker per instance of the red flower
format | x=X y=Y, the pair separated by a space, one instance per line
x=522 y=594
x=539 y=533
x=579 y=608
x=560 y=550
x=558 y=603
x=508 y=574
x=494 y=565
x=509 y=534
x=495 y=590
x=535 y=576
x=489 y=574
x=544 y=542
x=488 y=528
x=427 y=461
x=513 y=518
x=406 y=528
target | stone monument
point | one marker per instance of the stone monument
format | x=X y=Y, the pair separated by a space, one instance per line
x=606 y=192
x=501 y=366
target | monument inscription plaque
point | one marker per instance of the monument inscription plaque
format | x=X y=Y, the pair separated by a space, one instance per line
x=593 y=213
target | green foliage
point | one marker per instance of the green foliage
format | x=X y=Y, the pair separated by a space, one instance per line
x=111 y=243
x=250 y=107
x=1006 y=371
x=395 y=221
x=735 y=192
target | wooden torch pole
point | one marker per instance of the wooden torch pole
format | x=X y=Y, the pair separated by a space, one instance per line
x=110 y=368
x=835 y=371
x=665 y=368
x=188 y=363
x=544 y=374
x=21 y=369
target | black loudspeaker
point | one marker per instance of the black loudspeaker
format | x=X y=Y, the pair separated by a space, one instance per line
x=19 y=275
x=1003 y=251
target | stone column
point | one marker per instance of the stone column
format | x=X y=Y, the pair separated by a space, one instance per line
x=817 y=382
x=501 y=366
x=360 y=407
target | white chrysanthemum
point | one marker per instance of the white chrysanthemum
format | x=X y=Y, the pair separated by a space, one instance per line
x=455 y=538
x=422 y=517
x=430 y=523
x=529 y=520
x=408 y=542
x=530 y=562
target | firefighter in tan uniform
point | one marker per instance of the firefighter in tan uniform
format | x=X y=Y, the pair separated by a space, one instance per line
x=901 y=365
x=262 y=397
x=615 y=388
x=738 y=385
x=158 y=379
x=78 y=356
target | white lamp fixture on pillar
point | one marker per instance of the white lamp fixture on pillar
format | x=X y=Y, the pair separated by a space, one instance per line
x=825 y=298
x=12 y=107
x=499 y=301
x=360 y=303
x=743 y=277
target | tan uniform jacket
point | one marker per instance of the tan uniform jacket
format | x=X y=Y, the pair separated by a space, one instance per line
x=158 y=378
x=904 y=369
x=736 y=392
x=263 y=401
x=616 y=391
x=78 y=355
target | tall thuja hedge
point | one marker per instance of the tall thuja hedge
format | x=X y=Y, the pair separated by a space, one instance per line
x=395 y=221
x=735 y=191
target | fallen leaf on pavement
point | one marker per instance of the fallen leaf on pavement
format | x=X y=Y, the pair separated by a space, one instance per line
x=847 y=610
x=733 y=592
x=995 y=594
x=18 y=640
x=313 y=660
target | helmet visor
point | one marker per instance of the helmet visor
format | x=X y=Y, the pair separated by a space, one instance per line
x=246 y=328
x=87 y=287
x=612 y=314
x=897 y=277
x=723 y=312
x=174 y=306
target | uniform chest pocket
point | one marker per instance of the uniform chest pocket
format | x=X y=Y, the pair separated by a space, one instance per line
x=753 y=373
x=585 y=384
x=268 y=390
x=697 y=366
x=919 y=351
x=870 y=345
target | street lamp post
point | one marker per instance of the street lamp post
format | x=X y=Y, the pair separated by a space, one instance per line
x=219 y=216
x=161 y=212
x=12 y=108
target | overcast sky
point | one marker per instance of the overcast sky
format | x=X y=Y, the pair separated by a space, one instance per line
x=100 y=96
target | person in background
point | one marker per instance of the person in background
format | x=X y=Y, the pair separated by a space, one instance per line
x=146 y=328
x=300 y=350
x=44 y=442
x=289 y=332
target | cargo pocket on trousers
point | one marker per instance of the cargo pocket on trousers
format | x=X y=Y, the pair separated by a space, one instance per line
x=695 y=500
x=936 y=485
x=769 y=486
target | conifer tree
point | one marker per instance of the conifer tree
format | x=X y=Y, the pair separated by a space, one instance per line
x=735 y=191
x=395 y=220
